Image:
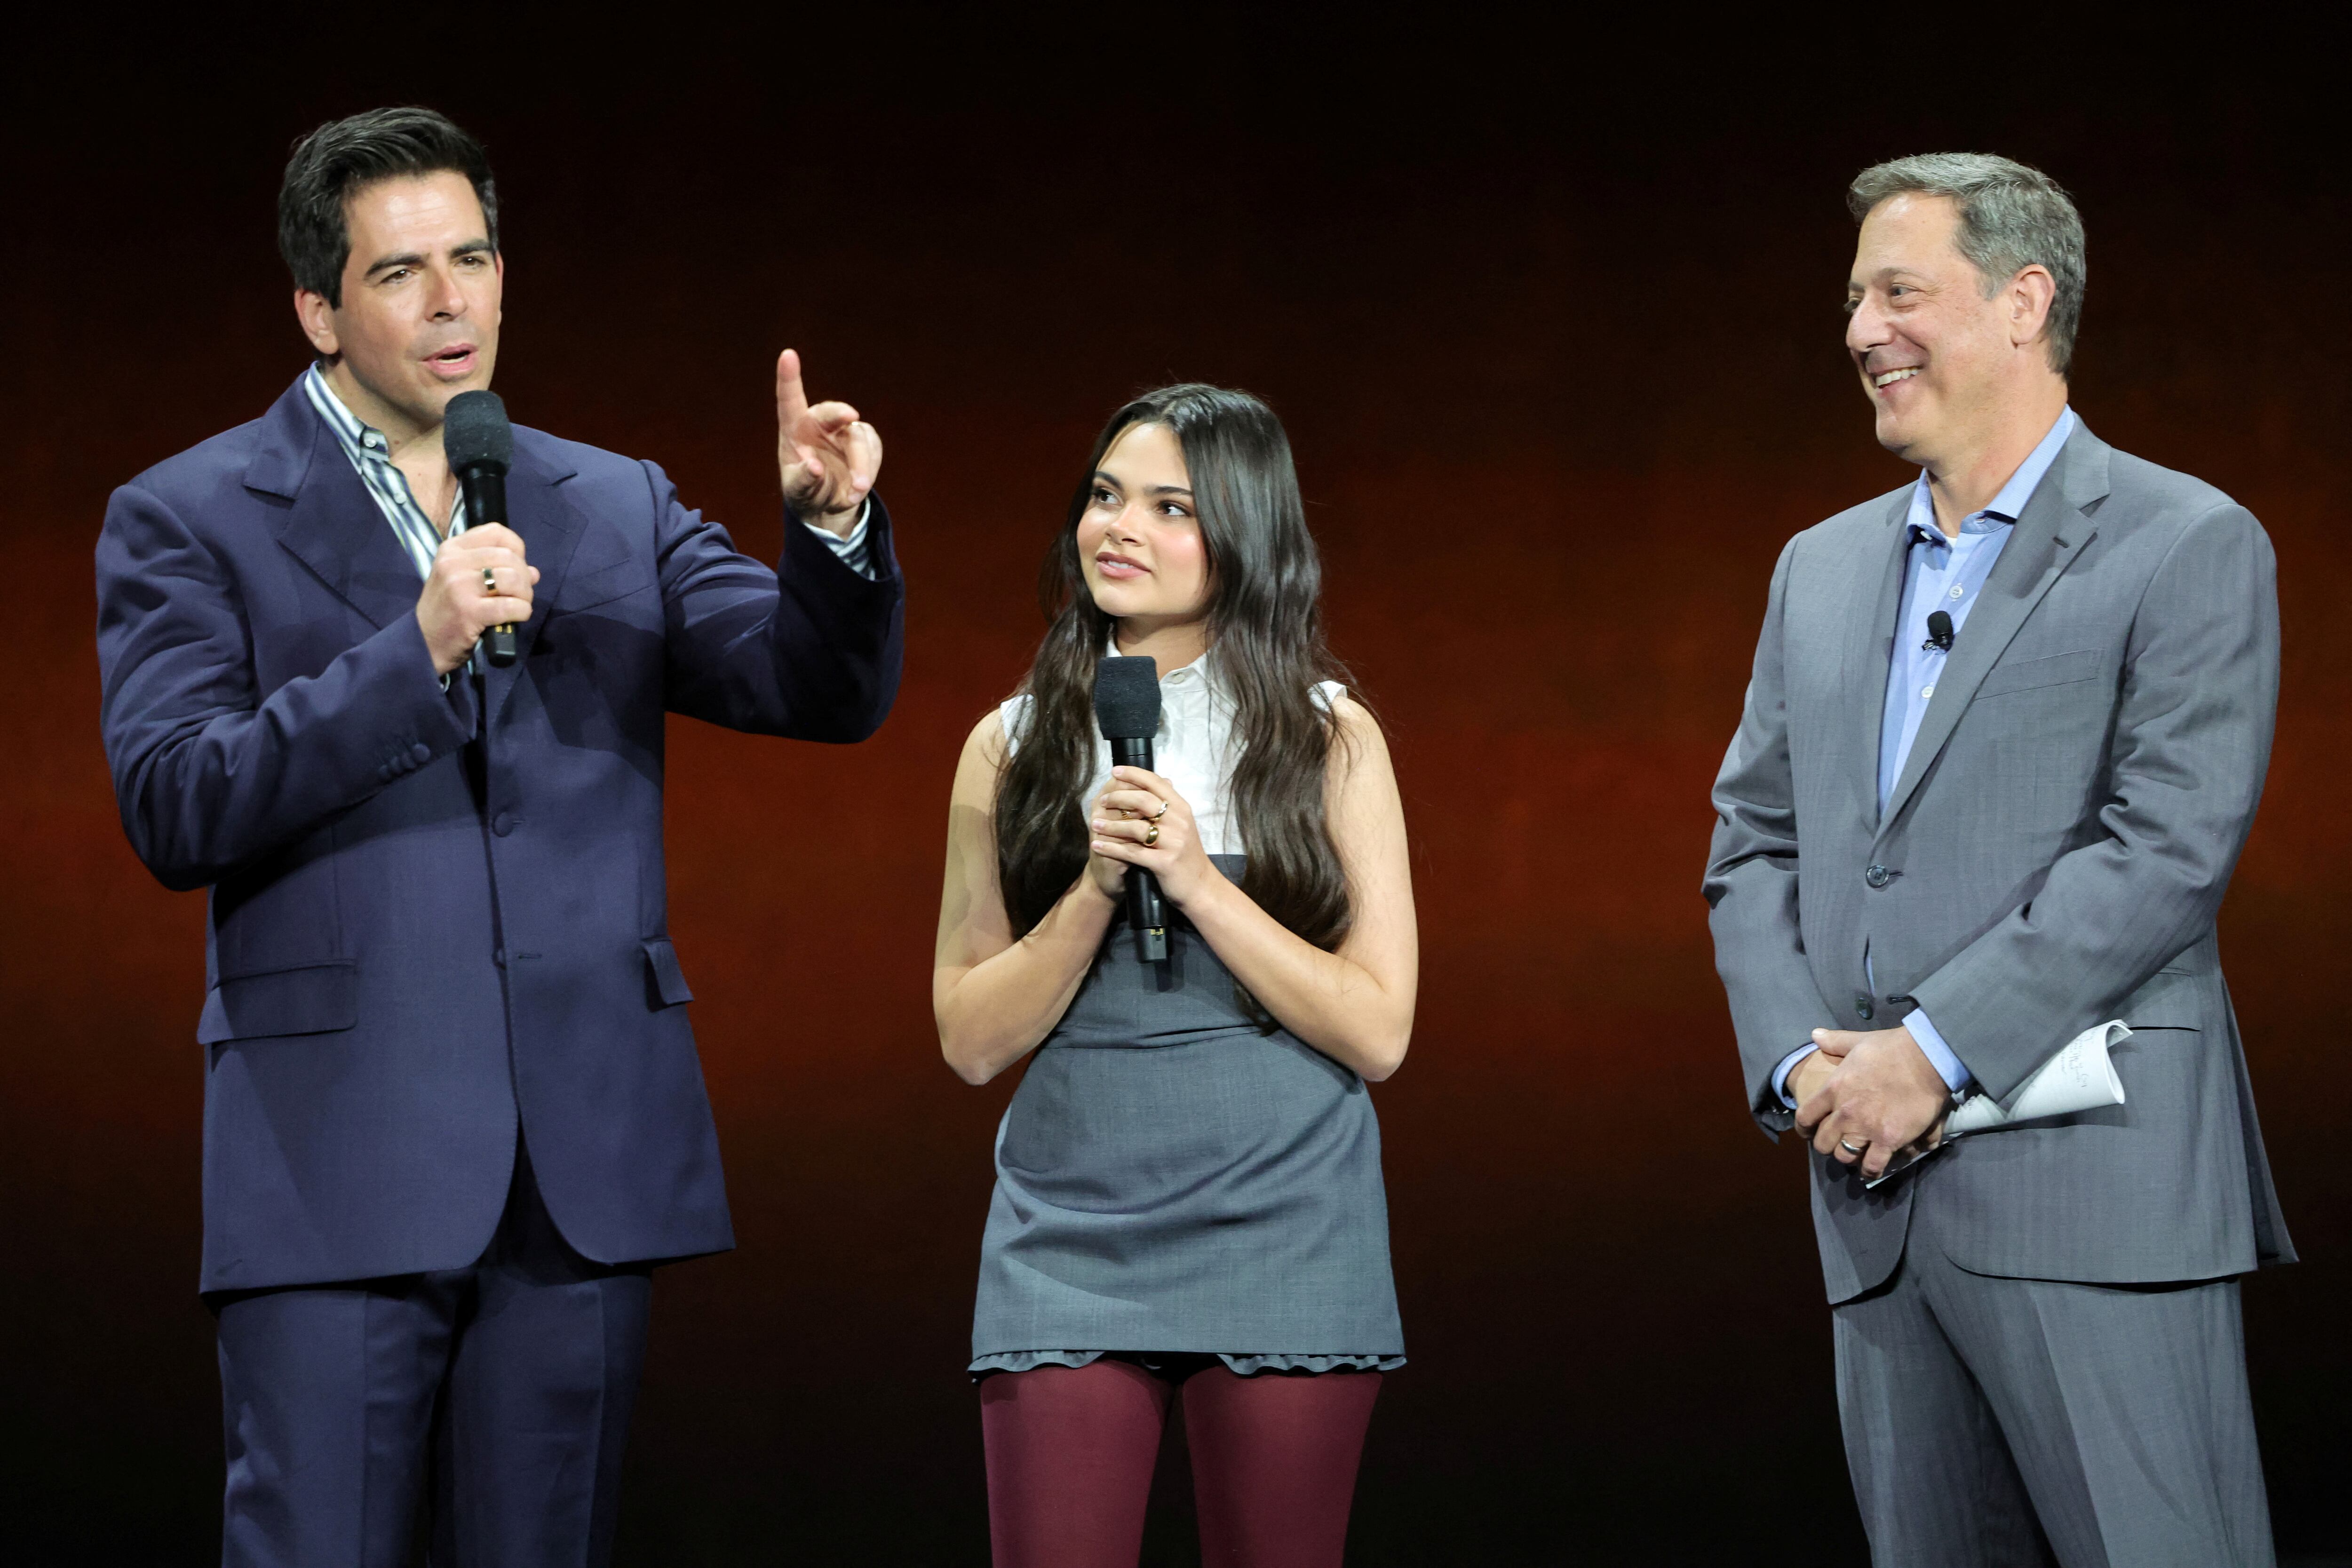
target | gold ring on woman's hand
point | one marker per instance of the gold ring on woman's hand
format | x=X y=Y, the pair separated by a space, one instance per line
x=1162 y=812
x=1151 y=836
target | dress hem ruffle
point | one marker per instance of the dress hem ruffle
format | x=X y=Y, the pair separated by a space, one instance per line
x=1241 y=1365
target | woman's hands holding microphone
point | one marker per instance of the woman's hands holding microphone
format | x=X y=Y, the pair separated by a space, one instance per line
x=1138 y=819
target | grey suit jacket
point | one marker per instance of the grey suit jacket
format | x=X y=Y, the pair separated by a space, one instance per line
x=2053 y=855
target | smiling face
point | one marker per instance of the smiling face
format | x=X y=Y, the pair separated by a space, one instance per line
x=1139 y=538
x=1937 y=356
x=421 y=289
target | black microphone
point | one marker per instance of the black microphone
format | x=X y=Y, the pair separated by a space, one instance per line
x=480 y=444
x=1127 y=707
x=1939 y=631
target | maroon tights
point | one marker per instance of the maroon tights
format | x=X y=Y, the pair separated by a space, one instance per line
x=1071 y=1451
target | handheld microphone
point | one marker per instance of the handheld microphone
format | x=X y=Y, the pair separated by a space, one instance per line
x=480 y=444
x=1939 y=631
x=1127 y=707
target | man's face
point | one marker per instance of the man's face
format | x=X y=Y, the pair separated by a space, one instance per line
x=1932 y=351
x=419 y=320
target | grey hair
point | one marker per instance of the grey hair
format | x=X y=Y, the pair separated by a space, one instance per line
x=2012 y=217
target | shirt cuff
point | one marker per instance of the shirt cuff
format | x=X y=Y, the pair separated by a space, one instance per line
x=1789 y=1065
x=851 y=551
x=1957 y=1077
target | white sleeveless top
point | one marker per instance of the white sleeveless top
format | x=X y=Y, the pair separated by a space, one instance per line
x=1193 y=748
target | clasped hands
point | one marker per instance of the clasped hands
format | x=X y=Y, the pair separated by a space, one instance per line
x=1138 y=819
x=1865 y=1097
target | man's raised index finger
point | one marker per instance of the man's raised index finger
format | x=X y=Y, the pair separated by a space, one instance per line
x=792 y=400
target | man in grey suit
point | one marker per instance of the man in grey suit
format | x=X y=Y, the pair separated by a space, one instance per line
x=2004 y=744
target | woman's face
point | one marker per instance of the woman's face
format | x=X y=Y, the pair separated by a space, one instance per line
x=1140 y=539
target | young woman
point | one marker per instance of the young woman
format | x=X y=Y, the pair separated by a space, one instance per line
x=1188 y=1187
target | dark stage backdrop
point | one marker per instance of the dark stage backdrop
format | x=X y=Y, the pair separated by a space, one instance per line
x=1554 y=325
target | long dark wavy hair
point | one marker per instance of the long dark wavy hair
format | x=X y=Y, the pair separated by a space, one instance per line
x=1265 y=630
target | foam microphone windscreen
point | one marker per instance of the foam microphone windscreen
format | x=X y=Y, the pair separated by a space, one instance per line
x=475 y=433
x=1127 y=698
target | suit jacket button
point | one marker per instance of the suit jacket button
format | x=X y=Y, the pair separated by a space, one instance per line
x=1862 y=1007
x=1877 y=877
x=502 y=825
x=420 y=753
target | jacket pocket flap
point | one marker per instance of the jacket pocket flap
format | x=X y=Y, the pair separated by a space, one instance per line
x=2031 y=673
x=668 y=980
x=2171 y=1000
x=316 y=999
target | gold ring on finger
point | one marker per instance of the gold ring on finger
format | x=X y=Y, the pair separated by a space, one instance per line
x=1162 y=812
x=1151 y=836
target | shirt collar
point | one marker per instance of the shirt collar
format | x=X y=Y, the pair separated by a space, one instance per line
x=371 y=456
x=354 y=432
x=2005 y=508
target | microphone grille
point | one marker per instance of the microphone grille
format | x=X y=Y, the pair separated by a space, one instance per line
x=1127 y=697
x=475 y=432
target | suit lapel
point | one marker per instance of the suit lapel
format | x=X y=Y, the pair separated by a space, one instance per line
x=1870 y=647
x=550 y=531
x=334 y=526
x=2049 y=537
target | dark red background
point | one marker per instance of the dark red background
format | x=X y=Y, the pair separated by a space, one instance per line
x=1553 y=321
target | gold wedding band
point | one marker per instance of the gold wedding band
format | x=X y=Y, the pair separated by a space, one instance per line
x=1152 y=836
x=1162 y=812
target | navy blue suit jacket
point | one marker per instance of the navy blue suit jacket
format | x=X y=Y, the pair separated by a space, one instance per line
x=435 y=917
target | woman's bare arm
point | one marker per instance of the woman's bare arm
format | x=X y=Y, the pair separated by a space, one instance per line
x=995 y=998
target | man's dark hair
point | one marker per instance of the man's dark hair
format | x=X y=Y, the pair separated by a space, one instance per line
x=342 y=156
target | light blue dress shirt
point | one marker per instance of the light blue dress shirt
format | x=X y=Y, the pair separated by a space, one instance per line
x=1947 y=574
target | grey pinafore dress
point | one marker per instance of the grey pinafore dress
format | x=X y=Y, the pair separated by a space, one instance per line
x=1170 y=1178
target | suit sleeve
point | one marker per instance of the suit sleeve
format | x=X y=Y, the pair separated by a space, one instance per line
x=2192 y=740
x=812 y=650
x=1751 y=878
x=209 y=774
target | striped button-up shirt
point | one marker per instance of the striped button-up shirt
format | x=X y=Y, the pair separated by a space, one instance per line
x=371 y=453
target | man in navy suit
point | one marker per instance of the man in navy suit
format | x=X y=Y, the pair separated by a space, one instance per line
x=453 y=1113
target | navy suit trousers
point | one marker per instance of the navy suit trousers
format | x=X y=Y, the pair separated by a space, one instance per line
x=489 y=1405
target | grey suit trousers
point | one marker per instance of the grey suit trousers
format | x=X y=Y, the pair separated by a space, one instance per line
x=1991 y=1422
